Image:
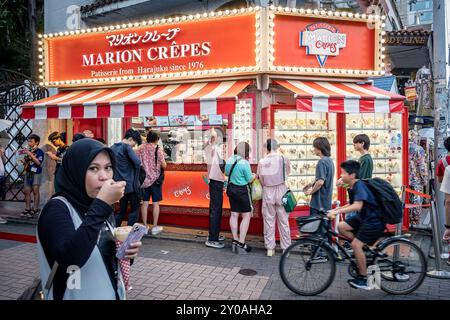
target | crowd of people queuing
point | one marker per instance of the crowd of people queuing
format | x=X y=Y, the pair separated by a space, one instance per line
x=75 y=226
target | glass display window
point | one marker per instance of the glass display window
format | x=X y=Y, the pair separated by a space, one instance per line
x=182 y=137
x=242 y=129
x=295 y=131
x=385 y=134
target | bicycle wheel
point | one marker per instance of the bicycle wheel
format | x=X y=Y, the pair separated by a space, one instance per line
x=304 y=273
x=402 y=268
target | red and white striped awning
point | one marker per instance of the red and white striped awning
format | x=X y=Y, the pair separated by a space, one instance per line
x=164 y=100
x=341 y=97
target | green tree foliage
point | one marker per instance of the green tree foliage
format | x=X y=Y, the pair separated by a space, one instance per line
x=16 y=36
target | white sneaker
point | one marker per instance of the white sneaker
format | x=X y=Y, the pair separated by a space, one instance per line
x=270 y=252
x=3 y=221
x=214 y=244
x=157 y=230
x=401 y=277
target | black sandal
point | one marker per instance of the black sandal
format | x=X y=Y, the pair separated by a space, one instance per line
x=26 y=213
x=245 y=246
x=34 y=213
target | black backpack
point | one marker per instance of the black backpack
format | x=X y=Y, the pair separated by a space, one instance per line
x=387 y=199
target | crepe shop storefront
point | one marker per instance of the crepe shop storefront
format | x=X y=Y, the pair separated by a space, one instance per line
x=250 y=73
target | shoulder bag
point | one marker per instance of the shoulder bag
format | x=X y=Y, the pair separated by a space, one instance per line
x=229 y=177
x=35 y=291
x=288 y=200
x=160 y=179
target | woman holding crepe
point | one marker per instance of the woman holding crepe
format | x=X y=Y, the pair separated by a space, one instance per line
x=75 y=229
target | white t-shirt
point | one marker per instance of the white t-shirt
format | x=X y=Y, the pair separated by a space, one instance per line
x=212 y=162
x=445 y=186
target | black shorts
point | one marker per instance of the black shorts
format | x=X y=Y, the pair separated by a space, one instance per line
x=155 y=191
x=240 y=198
x=367 y=231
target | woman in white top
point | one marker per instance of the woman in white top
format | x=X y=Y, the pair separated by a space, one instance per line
x=272 y=177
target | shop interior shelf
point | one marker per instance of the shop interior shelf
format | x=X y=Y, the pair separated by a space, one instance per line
x=300 y=159
x=302 y=130
x=381 y=158
x=372 y=144
x=386 y=172
x=298 y=144
x=373 y=129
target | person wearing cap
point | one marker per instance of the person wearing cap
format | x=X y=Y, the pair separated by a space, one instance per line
x=273 y=179
x=61 y=149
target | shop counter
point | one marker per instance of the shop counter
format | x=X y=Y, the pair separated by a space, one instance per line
x=186 y=199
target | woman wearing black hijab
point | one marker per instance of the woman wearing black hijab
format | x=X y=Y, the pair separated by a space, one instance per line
x=75 y=228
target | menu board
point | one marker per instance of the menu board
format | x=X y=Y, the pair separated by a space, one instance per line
x=177 y=121
x=215 y=119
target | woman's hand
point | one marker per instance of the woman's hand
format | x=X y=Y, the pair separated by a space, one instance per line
x=332 y=214
x=112 y=191
x=133 y=250
x=446 y=236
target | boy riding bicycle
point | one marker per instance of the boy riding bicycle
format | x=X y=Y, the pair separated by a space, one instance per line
x=366 y=226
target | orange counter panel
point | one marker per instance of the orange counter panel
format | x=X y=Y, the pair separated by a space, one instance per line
x=187 y=189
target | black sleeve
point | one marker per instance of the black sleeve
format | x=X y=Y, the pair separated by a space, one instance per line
x=60 y=240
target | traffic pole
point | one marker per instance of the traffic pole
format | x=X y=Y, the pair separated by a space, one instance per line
x=440 y=85
x=438 y=272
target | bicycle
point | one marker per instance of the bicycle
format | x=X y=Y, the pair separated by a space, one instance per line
x=308 y=266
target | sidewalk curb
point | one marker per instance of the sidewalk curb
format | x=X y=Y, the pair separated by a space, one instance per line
x=255 y=244
x=181 y=237
x=30 y=221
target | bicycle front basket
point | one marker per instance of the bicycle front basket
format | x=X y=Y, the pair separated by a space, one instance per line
x=308 y=224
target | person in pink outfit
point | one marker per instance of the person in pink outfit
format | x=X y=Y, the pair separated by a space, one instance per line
x=152 y=159
x=270 y=173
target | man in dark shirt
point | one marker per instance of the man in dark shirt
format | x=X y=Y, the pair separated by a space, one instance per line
x=366 y=226
x=127 y=169
x=322 y=190
x=61 y=149
x=361 y=143
x=33 y=169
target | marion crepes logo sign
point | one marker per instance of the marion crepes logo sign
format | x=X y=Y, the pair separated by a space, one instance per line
x=322 y=40
x=324 y=45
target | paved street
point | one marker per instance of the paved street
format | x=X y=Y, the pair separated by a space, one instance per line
x=179 y=270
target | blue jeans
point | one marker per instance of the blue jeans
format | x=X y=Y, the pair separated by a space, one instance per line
x=133 y=217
